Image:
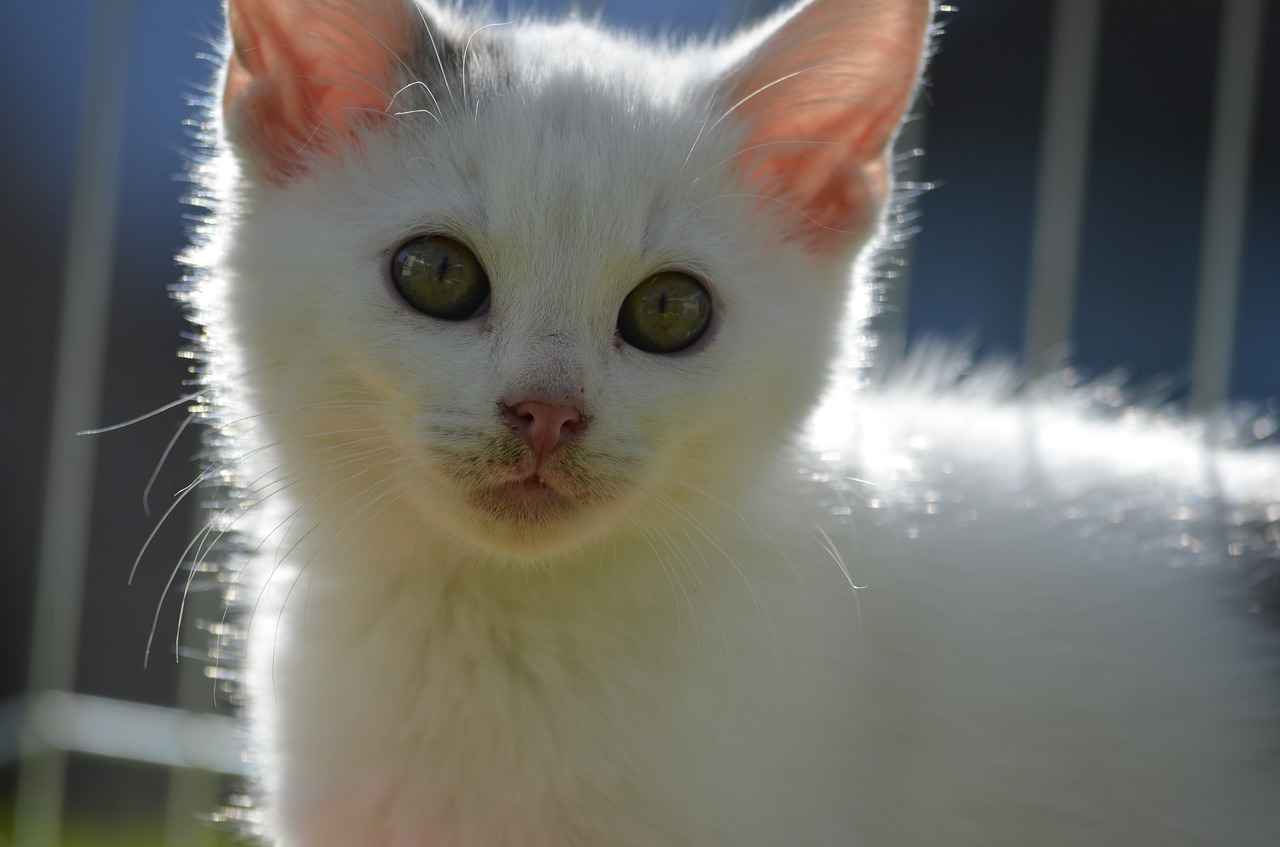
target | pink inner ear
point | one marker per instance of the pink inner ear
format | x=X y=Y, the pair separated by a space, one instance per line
x=305 y=76
x=822 y=97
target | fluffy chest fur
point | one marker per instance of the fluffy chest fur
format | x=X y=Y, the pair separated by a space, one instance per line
x=602 y=703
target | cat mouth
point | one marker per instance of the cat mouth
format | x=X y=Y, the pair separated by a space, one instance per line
x=528 y=499
x=533 y=482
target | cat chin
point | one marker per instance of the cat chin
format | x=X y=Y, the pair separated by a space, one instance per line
x=519 y=543
x=527 y=522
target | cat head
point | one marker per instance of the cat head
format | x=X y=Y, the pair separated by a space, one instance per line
x=535 y=282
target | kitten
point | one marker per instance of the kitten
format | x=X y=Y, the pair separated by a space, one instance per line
x=510 y=335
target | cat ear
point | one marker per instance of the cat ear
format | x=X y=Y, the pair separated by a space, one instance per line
x=822 y=96
x=305 y=75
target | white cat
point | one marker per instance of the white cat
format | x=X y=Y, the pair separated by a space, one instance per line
x=510 y=335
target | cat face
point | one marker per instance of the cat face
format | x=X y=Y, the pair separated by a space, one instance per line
x=532 y=314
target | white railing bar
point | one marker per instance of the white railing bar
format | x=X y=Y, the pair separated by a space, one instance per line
x=120 y=729
x=77 y=394
x=1222 y=238
x=133 y=731
x=1060 y=189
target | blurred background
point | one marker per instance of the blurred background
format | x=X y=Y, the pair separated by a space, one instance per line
x=1110 y=166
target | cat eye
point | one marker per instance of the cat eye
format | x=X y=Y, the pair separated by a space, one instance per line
x=440 y=277
x=665 y=314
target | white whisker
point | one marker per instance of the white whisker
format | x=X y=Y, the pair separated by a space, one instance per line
x=466 y=48
x=435 y=48
x=151 y=481
x=161 y=410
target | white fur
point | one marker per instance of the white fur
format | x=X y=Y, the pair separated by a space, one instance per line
x=1041 y=648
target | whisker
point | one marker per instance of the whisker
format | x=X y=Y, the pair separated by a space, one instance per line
x=466 y=48
x=239 y=575
x=673 y=580
x=705 y=120
x=715 y=543
x=419 y=112
x=396 y=488
x=714 y=499
x=757 y=92
x=288 y=480
x=251 y=494
x=444 y=74
x=417 y=83
x=155 y=474
x=832 y=550
x=159 y=411
x=393 y=489
x=246 y=499
x=281 y=558
x=160 y=523
x=168 y=585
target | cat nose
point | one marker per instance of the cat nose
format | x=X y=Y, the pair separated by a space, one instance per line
x=543 y=426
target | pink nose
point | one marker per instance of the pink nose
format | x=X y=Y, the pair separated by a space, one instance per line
x=544 y=426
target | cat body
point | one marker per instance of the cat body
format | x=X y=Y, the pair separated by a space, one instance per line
x=510 y=578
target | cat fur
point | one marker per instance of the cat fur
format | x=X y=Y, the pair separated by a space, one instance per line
x=936 y=612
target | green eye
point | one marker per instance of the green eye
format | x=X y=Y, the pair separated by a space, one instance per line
x=440 y=277
x=665 y=313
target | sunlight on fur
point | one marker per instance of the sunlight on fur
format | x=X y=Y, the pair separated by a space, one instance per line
x=511 y=337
